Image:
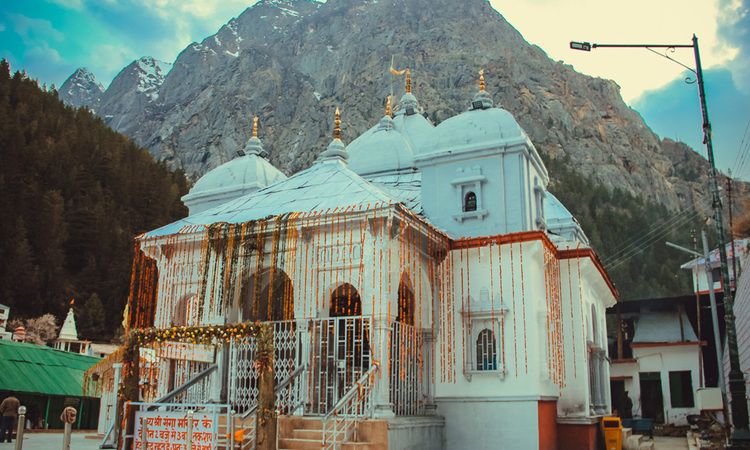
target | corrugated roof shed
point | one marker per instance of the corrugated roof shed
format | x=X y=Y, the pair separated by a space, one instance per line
x=42 y=370
x=663 y=326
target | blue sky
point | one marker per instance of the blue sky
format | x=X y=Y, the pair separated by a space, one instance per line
x=51 y=38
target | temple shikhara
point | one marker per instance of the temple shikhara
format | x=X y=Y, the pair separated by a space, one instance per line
x=419 y=288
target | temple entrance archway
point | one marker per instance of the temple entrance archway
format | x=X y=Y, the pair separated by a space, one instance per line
x=268 y=295
x=341 y=348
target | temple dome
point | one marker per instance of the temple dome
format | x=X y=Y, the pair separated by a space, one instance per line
x=233 y=179
x=494 y=127
x=390 y=145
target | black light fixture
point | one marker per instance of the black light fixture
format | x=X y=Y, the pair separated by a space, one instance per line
x=584 y=46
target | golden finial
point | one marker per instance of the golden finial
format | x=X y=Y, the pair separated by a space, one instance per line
x=388 y=106
x=481 y=80
x=408 y=80
x=255 y=126
x=337 y=124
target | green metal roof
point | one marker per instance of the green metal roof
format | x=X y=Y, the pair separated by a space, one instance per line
x=42 y=370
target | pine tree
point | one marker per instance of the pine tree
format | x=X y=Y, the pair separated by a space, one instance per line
x=92 y=319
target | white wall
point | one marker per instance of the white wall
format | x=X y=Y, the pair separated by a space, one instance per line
x=662 y=359
x=490 y=423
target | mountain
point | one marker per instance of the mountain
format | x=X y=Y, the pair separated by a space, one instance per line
x=81 y=89
x=74 y=193
x=292 y=61
x=133 y=90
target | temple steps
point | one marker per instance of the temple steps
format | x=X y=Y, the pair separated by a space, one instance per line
x=303 y=433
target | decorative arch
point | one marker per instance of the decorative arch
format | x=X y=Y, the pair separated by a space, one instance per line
x=268 y=295
x=345 y=301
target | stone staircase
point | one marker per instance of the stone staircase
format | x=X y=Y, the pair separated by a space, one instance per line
x=307 y=433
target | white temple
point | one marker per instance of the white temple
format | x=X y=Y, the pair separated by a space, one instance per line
x=427 y=291
x=68 y=340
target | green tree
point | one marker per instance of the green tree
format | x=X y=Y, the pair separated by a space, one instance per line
x=92 y=320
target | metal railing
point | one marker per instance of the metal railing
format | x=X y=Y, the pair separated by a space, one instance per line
x=339 y=355
x=244 y=375
x=340 y=424
x=288 y=399
x=201 y=377
x=406 y=370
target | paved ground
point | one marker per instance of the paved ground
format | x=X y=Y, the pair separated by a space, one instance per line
x=670 y=443
x=53 y=441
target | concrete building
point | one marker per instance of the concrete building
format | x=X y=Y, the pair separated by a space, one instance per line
x=421 y=276
x=656 y=359
x=4 y=313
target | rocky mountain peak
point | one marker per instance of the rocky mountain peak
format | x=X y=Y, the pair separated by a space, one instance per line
x=292 y=61
x=81 y=89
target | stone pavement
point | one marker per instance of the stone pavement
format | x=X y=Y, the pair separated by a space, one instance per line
x=53 y=441
x=670 y=443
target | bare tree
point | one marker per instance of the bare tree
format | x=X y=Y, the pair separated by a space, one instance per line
x=41 y=330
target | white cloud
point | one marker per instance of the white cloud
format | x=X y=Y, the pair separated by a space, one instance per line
x=43 y=53
x=552 y=24
x=2 y=27
x=31 y=29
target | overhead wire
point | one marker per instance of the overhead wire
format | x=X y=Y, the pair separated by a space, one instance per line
x=642 y=237
x=648 y=243
x=742 y=153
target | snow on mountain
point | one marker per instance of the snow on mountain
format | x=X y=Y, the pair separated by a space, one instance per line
x=134 y=89
x=151 y=74
x=81 y=89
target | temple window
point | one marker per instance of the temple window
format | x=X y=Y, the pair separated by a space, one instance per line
x=486 y=350
x=468 y=187
x=482 y=320
x=470 y=202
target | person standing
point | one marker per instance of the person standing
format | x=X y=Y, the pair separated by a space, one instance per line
x=627 y=412
x=9 y=413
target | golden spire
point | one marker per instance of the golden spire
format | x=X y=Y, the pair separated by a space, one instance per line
x=337 y=124
x=481 y=80
x=408 y=80
x=388 y=106
x=255 y=126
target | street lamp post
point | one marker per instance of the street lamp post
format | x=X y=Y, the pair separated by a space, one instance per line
x=740 y=436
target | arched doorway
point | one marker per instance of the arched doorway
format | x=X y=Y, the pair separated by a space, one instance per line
x=345 y=301
x=265 y=296
x=268 y=295
x=341 y=348
x=405 y=352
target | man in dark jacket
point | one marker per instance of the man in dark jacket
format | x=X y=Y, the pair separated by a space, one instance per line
x=9 y=412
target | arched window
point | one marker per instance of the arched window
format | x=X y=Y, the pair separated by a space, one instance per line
x=470 y=201
x=486 y=350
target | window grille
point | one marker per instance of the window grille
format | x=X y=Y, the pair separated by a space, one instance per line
x=470 y=201
x=486 y=350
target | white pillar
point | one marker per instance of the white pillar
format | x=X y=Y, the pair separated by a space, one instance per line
x=304 y=358
x=381 y=392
